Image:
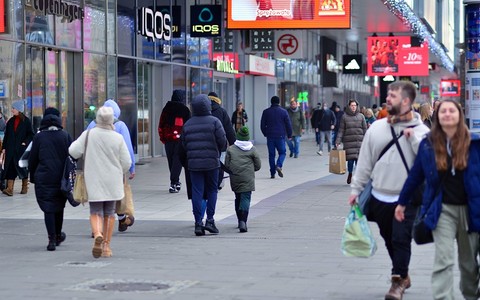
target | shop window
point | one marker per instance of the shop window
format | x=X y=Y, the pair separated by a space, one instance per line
x=95 y=72
x=127 y=96
x=111 y=26
x=69 y=34
x=126 y=16
x=94 y=26
x=11 y=74
x=13 y=19
x=200 y=81
x=38 y=27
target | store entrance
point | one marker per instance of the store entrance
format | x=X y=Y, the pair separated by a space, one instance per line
x=53 y=81
x=144 y=79
x=224 y=89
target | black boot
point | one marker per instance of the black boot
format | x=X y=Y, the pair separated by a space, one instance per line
x=242 y=224
x=60 y=238
x=51 y=243
x=349 y=178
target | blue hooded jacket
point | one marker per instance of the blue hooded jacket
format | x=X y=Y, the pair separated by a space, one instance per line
x=425 y=168
x=121 y=128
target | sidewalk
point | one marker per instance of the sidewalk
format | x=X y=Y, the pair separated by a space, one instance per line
x=292 y=249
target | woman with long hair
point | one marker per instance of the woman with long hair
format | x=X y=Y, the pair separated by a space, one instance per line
x=426 y=112
x=449 y=160
x=18 y=134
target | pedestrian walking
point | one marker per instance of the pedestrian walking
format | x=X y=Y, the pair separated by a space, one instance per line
x=325 y=123
x=203 y=138
x=45 y=164
x=388 y=175
x=239 y=117
x=18 y=135
x=351 y=132
x=276 y=127
x=124 y=220
x=297 y=118
x=369 y=117
x=426 y=112
x=242 y=160
x=338 y=118
x=449 y=160
x=102 y=146
x=174 y=115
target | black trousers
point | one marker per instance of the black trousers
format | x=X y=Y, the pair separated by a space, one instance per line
x=173 y=158
x=54 y=223
x=397 y=235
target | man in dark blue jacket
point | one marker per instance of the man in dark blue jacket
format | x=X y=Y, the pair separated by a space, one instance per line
x=325 y=123
x=203 y=138
x=276 y=126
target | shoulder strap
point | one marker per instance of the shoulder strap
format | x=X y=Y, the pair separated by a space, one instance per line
x=390 y=144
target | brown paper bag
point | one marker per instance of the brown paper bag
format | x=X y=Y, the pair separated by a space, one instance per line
x=125 y=206
x=338 y=162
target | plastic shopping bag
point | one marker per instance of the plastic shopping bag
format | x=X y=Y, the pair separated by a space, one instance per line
x=357 y=239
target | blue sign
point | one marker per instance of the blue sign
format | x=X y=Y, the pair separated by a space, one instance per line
x=3 y=90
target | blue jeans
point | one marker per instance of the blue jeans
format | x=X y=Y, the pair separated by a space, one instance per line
x=294 y=144
x=334 y=137
x=325 y=135
x=204 y=182
x=350 y=164
x=277 y=144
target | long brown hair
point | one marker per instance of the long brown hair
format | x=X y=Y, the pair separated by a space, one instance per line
x=460 y=141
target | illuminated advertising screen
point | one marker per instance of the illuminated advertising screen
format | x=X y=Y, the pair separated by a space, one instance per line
x=2 y=16
x=450 y=88
x=397 y=56
x=288 y=14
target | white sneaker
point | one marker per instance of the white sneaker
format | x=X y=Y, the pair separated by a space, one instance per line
x=320 y=153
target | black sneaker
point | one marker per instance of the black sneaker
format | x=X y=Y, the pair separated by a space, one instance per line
x=279 y=171
x=178 y=186
x=210 y=226
x=60 y=238
x=173 y=188
x=199 y=231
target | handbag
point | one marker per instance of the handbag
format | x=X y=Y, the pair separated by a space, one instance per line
x=80 y=194
x=357 y=238
x=68 y=180
x=125 y=206
x=23 y=162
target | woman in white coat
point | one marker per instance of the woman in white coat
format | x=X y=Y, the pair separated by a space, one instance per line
x=106 y=160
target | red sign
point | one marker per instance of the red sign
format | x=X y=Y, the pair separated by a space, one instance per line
x=396 y=56
x=424 y=89
x=288 y=14
x=287 y=44
x=2 y=16
x=450 y=88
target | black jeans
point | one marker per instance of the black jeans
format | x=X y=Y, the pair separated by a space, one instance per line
x=173 y=158
x=397 y=235
x=54 y=223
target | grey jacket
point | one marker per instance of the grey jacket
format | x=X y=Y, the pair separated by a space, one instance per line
x=298 y=121
x=242 y=165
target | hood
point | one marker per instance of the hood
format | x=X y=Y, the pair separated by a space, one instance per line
x=214 y=105
x=49 y=121
x=352 y=113
x=201 y=105
x=116 y=109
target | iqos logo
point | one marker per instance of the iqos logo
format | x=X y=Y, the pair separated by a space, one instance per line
x=155 y=25
x=205 y=20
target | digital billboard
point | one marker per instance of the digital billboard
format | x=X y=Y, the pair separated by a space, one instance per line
x=396 y=55
x=288 y=14
x=2 y=16
x=450 y=87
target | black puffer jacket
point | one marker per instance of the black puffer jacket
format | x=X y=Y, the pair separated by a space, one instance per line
x=351 y=132
x=203 y=136
x=46 y=162
x=222 y=115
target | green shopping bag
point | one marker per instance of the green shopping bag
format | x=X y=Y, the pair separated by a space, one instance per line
x=357 y=239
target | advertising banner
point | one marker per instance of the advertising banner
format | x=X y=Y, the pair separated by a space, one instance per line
x=472 y=99
x=206 y=21
x=396 y=55
x=472 y=36
x=2 y=16
x=288 y=14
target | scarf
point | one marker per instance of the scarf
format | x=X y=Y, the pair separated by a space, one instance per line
x=406 y=117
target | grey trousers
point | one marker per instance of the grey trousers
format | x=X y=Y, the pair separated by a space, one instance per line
x=452 y=225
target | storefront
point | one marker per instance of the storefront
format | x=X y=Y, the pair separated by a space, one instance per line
x=75 y=55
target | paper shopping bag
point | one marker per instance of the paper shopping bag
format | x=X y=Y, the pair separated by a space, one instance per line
x=338 y=162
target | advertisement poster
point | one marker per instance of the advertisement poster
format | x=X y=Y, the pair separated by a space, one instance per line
x=396 y=56
x=2 y=16
x=472 y=36
x=288 y=14
x=472 y=100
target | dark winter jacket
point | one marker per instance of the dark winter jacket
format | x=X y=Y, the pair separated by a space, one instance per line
x=297 y=119
x=244 y=118
x=243 y=161
x=46 y=163
x=275 y=122
x=324 y=119
x=203 y=137
x=222 y=115
x=174 y=116
x=351 y=132
x=15 y=143
x=425 y=168
x=338 y=119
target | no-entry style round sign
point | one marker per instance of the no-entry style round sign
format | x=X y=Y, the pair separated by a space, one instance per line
x=287 y=44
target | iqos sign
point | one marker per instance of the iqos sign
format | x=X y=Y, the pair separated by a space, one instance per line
x=155 y=24
x=205 y=20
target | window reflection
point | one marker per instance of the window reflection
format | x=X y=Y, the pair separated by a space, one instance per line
x=95 y=72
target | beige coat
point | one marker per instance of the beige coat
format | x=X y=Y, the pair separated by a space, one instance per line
x=107 y=159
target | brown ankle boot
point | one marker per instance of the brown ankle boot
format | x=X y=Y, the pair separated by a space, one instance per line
x=349 y=178
x=108 y=225
x=24 y=186
x=397 y=288
x=9 y=190
x=96 y=222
